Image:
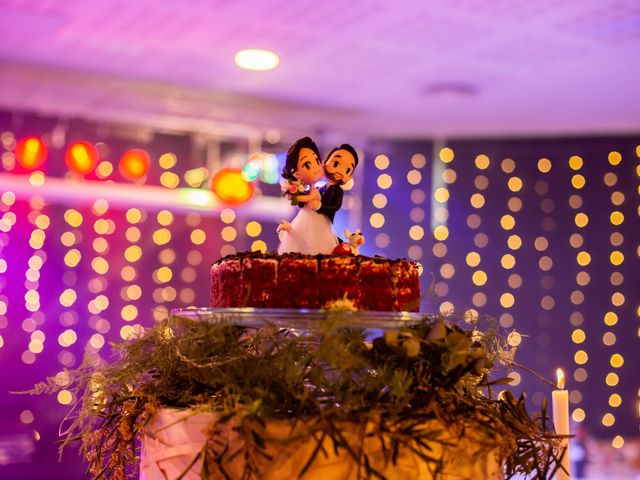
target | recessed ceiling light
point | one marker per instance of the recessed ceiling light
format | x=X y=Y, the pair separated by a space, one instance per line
x=459 y=88
x=256 y=59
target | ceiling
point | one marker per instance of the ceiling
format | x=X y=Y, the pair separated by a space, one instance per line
x=404 y=68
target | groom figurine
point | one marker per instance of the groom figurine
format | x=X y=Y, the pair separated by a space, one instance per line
x=339 y=167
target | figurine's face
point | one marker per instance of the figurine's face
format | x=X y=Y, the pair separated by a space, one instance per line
x=309 y=167
x=339 y=167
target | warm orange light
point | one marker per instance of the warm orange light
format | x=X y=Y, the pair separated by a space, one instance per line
x=230 y=186
x=81 y=157
x=31 y=153
x=560 y=376
x=134 y=164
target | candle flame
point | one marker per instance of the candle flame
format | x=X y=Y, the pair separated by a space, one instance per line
x=560 y=375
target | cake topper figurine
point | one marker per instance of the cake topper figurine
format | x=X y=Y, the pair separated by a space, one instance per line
x=309 y=232
x=351 y=246
x=339 y=166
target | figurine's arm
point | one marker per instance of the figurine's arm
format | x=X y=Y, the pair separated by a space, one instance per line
x=284 y=226
x=309 y=197
x=331 y=201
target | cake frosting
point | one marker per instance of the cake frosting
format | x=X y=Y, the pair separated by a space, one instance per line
x=265 y=280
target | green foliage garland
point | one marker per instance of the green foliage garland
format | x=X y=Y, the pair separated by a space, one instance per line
x=333 y=378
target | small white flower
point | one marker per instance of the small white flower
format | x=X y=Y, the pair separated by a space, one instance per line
x=471 y=316
x=514 y=339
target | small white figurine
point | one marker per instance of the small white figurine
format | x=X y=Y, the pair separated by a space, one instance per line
x=350 y=247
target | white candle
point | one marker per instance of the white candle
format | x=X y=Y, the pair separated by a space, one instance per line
x=560 y=403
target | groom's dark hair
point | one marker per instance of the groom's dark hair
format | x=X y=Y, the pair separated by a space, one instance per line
x=348 y=148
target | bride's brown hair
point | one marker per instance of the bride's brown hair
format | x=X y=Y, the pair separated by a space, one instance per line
x=291 y=162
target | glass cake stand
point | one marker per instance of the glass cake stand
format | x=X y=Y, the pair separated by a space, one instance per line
x=302 y=319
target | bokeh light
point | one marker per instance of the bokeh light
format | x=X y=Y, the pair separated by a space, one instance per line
x=31 y=153
x=134 y=164
x=230 y=186
x=81 y=157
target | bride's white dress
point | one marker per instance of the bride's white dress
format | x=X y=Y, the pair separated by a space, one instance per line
x=310 y=234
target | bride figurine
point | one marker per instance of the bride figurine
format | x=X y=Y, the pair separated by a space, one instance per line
x=309 y=232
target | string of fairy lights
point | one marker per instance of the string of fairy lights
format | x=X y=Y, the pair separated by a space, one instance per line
x=131 y=290
x=616 y=279
x=578 y=241
x=380 y=200
x=473 y=258
x=33 y=325
x=509 y=250
x=416 y=214
x=440 y=217
x=39 y=223
x=508 y=222
x=71 y=239
x=582 y=279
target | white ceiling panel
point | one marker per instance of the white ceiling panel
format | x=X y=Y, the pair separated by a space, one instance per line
x=369 y=67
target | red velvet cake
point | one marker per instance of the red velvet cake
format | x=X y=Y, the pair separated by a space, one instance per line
x=314 y=281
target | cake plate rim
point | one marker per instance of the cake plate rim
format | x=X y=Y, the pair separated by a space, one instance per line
x=300 y=317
